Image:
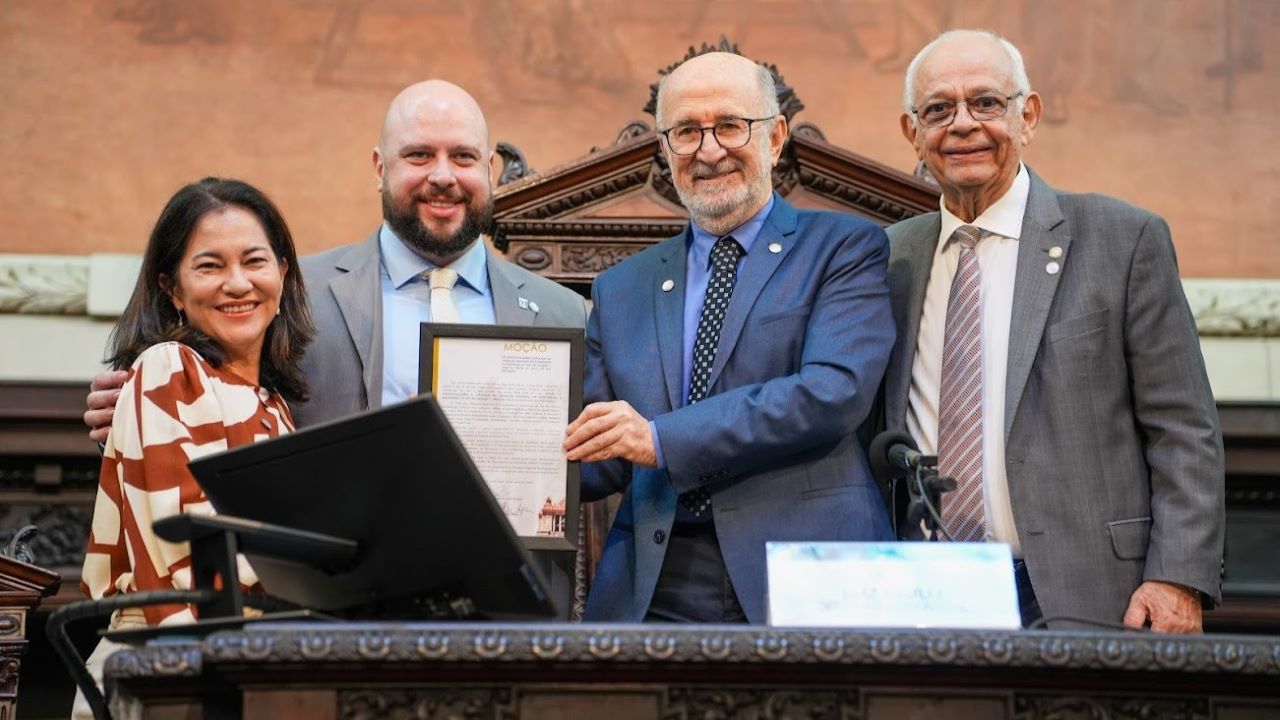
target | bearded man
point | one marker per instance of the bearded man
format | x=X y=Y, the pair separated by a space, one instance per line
x=728 y=368
x=433 y=164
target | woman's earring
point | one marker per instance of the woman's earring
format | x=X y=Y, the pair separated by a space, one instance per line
x=182 y=318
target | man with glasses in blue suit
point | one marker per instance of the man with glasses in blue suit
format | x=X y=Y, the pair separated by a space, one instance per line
x=728 y=369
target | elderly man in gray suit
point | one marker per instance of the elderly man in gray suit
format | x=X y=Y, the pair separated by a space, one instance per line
x=1047 y=356
x=427 y=261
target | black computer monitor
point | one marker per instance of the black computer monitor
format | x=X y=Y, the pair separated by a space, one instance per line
x=397 y=481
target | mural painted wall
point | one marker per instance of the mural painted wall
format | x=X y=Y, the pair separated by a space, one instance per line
x=110 y=106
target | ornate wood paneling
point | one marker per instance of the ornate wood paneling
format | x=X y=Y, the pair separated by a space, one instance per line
x=668 y=672
x=22 y=587
x=48 y=474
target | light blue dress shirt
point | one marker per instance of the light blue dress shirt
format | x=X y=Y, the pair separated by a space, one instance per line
x=697 y=276
x=406 y=303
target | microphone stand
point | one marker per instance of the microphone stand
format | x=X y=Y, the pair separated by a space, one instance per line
x=924 y=501
x=214 y=543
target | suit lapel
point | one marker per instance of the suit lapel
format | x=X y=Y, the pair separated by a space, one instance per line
x=757 y=268
x=668 y=307
x=1034 y=287
x=505 y=284
x=909 y=269
x=358 y=292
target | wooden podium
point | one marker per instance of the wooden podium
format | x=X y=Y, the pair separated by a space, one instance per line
x=22 y=586
x=668 y=672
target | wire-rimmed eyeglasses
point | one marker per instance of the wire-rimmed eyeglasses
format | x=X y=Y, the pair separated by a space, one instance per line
x=941 y=113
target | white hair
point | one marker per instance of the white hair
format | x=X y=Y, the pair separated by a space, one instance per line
x=764 y=77
x=1017 y=68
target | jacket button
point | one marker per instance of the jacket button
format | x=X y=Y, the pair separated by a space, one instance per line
x=659 y=536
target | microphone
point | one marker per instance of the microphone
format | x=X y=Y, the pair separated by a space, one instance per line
x=893 y=455
x=903 y=457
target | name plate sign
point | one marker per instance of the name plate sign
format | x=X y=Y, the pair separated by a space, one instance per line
x=891 y=584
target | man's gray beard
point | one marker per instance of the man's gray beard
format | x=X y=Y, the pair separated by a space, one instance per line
x=413 y=232
x=705 y=212
x=713 y=208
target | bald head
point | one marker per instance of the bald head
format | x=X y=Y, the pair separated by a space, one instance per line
x=752 y=82
x=433 y=101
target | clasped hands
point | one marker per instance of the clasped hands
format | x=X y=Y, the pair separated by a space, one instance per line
x=609 y=430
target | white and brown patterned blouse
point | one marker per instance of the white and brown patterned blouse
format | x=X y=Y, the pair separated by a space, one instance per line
x=175 y=408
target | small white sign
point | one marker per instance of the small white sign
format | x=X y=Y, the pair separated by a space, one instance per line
x=892 y=584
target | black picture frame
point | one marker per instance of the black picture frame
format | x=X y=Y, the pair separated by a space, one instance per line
x=576 y=339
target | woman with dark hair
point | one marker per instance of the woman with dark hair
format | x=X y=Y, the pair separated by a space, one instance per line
x=212 y=334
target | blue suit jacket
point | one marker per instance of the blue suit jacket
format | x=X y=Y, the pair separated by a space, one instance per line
x=802 y=351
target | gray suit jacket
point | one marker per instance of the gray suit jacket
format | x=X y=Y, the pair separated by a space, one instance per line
x=344 y=287
x=1113 y=450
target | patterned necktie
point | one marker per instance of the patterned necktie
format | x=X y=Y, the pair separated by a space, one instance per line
x=442 y=308
x=960 y=399
x=724 y=271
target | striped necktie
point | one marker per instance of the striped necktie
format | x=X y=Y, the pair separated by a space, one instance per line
x=960 y=398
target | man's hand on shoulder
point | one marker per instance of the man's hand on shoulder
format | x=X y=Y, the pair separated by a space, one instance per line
x=608 y=430
x=1167 y=607
x=104 y=390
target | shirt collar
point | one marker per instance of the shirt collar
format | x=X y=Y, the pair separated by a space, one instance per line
x=403 y=264
x=745 y=234
x=1005 y=215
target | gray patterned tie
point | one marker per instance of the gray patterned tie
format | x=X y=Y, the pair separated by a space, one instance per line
x=724 y=272
x=960 y=397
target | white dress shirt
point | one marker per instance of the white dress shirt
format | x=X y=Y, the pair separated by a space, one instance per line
x=998 y=260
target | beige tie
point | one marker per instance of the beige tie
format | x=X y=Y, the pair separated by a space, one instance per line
x=442 y=308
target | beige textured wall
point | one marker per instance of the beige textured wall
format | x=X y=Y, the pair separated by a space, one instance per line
x=109 y=106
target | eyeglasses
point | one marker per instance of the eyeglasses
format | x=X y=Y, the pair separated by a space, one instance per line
x=941 y=113
x=731 y=133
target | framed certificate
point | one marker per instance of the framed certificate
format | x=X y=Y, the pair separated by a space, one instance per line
x=509 y=392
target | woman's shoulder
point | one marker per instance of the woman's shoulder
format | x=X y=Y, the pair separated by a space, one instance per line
x=169 y=362
x=169 y=354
